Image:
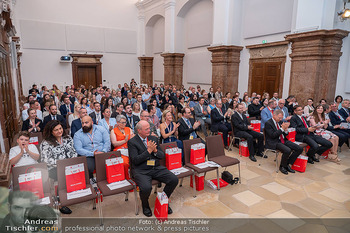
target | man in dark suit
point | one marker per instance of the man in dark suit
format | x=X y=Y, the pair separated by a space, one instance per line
x=255 y=108
x=218 y=121
x=143 y=105
x=243 y=130
x=67 y=108
x=188 y=127
x=345 y=111
x=144 y=154
x=305 y=134
x=54 y=116
x=275 y=138
x=131 y=119
x=337 y=119
x=96 y=115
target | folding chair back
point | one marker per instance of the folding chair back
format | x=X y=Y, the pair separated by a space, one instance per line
x=165 y=146
x=38 y=135
x=100 y=161
x=215 y=146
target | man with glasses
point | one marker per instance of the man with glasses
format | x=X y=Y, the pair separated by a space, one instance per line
x=306 y=134
x=281 y=103
x=145 y=116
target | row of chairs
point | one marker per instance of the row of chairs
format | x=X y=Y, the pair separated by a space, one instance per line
x=215 y=150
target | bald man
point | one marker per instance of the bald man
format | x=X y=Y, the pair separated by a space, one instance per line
x=91 y=140
x=144 y=154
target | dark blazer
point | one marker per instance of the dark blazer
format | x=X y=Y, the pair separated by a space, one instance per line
x=58 y=117
x=272 y=135
x=76 y=125
x=216 y=119
x=184 y=130
x=135 y=119
x=139 y=155
x=93 y=116
x=335 y=120
x=343 y=113
x=254 y=110
x=297 y=123
x=63 y=109
x=26 y=126
x=238 y=123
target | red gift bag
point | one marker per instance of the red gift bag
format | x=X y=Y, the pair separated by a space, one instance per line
x=31 y=182
x=243 y=149
x=75 y=177
x=256 y=124
x=197 y=153
x=291 y=134
x=173 y=158
x=199 y=179
x=34 y=140
x=325 y=154
x=115 y=169
x=161 y=206
x=214 y=183
x=300 y=163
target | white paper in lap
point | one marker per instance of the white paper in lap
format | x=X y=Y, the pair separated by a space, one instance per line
x=79 y=193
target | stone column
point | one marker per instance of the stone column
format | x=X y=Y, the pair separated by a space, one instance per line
x=225 y=67
x=169 y=32
x=315 y=58
x=146 y=70
x=173 y=68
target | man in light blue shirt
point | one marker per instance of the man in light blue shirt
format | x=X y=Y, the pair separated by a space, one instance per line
x=91 y=140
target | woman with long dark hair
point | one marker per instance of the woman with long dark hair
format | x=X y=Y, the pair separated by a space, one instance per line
x=56 y=145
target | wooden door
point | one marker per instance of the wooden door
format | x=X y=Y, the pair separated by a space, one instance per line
x=87 y=76
x=265 y=77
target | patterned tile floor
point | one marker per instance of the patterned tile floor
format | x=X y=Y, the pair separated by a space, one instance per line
x=323 y=191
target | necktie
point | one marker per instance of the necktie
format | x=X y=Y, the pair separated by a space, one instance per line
x=305 y=124
x=144 y=142
x=190 y=126
x=68 y=110
x=281 y=136
x=54 y=117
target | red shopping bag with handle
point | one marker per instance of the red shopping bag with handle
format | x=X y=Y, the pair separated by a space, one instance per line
x=32 y=182
x=75 y=177
x=300 y=163
x=173 y=158
x=161 y=206
x=115 y=169
x=256 y=124
x=243 y=149
x=197 y=153
x=291 y=134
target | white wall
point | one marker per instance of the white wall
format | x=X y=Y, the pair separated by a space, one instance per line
x=197 y=36
x=51 y=29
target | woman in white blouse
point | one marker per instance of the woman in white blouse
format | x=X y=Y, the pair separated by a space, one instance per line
x=309 y=108
x=75 y=115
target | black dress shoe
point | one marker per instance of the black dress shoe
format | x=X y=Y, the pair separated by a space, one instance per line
x=309 y=160
x=315 y=159
x=289 y=169
x=65 y=210
x=252 y=158
x=284 y=170
x=147 y=212
x=170 y=211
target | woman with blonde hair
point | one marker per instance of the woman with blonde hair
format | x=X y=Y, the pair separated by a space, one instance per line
x=136 y=109
x=75 y=114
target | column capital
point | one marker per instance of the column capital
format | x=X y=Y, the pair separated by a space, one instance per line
x=169 y=4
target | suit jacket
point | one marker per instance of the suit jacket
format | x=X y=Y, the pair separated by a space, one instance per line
x=58 y=117
x=272 y=134
x=198 y=112
x=26 y=125
x=285 y=111
x=335 y=120
x=289 y=107
x=344 y=113
x=216 y=119
x=93 y=116
x=265 y=116
x=135 y=120
x=63 y=109
x=139 y=155
x=184 y=130
x=238 y=123
x=254 y=110
x=302 y=131
x=76 y=125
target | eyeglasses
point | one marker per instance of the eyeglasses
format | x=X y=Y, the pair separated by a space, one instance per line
x=145 y=116
x=124 y=122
